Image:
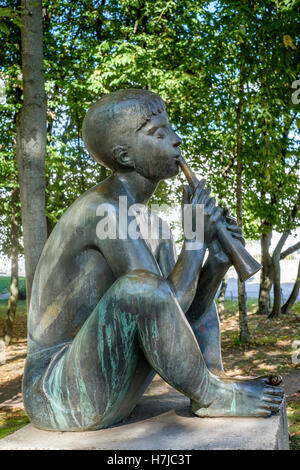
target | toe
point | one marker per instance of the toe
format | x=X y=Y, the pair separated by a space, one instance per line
x=272 y=399
x=270 y=407
x=277 y=391
x=262 y=412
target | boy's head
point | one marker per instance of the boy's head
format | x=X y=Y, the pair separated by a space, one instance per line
x=114 y=117
x=117 y=131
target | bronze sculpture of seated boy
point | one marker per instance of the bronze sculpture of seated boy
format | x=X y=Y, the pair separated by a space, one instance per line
x=107 y=313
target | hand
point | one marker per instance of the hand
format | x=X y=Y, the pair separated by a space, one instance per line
x=217 y=254
x=212 y=214
x=233 y=227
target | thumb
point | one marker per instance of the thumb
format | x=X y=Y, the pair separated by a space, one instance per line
x=186 y=194
x=215 y=246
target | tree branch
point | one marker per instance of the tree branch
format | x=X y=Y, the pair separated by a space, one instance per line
x=285 y=235
x=100 y=21
x=228 y=167
x=290 y=250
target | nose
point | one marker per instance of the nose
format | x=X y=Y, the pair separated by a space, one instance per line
x=177 y=140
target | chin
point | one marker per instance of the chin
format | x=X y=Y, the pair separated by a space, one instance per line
x=165 y=173
x=172 y=171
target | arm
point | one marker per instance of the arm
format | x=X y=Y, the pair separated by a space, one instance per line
x=190 y=283
x=185 y=273
x=125 y=255
x=213 y=271
x=182 y=272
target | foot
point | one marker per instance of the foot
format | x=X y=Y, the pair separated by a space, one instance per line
x=272 y=379
x=249 y=397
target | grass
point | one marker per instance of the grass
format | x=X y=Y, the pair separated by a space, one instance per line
x=5 y=285
x=270 y=351
x=11 y=422
x=293 y=414
x=5 y=282
x=20 y=324
x=294 y=418
x=21 y=309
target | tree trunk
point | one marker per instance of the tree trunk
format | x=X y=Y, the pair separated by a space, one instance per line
x=243 y=319
x=266 y=275
x=31 y=139
x=221 y=297
x=14 y=281
x=294 y=294
x=276 y=310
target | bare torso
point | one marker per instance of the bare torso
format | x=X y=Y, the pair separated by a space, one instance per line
x=74 y=265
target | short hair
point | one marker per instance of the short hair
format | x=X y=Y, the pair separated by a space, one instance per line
x=115 y=116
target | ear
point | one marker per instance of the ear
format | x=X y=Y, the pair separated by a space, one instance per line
x=120 y=155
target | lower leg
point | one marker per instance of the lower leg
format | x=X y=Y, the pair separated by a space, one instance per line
x=206 y=328
x=98 y=381
x=165 y=335
x=170 y=346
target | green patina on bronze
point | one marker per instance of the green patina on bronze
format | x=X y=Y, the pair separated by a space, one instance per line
x=107 y=314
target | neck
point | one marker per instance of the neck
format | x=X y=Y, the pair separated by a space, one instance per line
x=136 y=187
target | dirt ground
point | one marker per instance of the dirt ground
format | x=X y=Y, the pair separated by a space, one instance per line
x=11 y=379
x=11 y=376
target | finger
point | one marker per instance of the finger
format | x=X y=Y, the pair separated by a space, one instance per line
x=208 y=191
x=199 y=188
x=202 y=197
x=217 y=213
x=210 y=205
x=234 y=228
x=202 y=183
x=186 y=194
x=230 y=220
x=239 y=237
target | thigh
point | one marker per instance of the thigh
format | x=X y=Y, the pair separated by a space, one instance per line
x=97 y=380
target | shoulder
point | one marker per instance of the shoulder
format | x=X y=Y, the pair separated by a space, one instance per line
x=160 y=229
x=94 y=203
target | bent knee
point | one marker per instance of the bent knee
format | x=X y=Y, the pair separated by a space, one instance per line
x=143 y=283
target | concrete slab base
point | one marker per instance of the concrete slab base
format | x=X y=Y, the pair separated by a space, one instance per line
x=163 y=422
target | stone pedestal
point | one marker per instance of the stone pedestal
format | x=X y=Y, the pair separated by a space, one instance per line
x=163 y=421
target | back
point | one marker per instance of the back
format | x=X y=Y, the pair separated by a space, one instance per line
x=71 y=277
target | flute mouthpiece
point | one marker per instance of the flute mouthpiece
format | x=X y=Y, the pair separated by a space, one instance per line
x=188 y=172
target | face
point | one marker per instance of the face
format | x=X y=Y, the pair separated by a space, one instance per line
x=155 y=149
